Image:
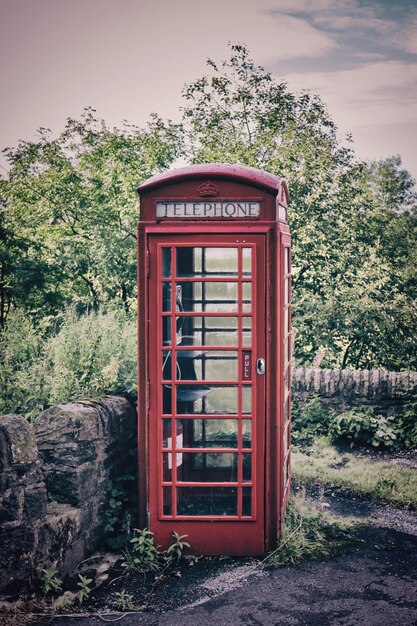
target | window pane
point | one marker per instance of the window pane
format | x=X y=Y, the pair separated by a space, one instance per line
x=166 y=262
x=247 y=501
x=286 y=260
x=286 y=290
x=209 y=467
x=206 y=261
x=215 y=366
x=246 y=297
x=204 y=399
x=247 y=331
x=247 y=261
x=246 y=433
x=246 y=399
x=210 y=331
x=167 y=500
x=247 y=467
x=210 y=433
x=207 y=501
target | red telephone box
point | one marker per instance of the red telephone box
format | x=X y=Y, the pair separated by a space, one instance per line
x=214 y=357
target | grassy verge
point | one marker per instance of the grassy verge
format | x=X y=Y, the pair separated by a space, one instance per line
x=311 y=534
x=324 y=464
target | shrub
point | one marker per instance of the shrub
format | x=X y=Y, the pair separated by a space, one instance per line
x=310 y=419
x=407 y=426
x=353 y=427
x=87 y=355
x=363 y=427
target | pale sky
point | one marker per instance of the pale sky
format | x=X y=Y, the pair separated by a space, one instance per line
x=128 y=58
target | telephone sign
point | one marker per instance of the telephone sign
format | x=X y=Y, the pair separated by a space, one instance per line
x=214 y=357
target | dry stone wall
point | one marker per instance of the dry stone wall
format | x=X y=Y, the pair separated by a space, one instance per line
x=55 y=481
x=345 y=389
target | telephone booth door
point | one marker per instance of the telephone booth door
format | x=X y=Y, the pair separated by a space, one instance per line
x=207 y=391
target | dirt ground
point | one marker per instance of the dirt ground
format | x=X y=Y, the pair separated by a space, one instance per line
x=373 y=582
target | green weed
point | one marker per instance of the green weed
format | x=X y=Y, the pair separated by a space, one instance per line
x=85 y=589
x=50 y=581
x=143 y=556
x=125 y=601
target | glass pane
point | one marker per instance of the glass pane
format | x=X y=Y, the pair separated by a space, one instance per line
x=166 y=399
x=286 y=471
x=246 y=399
x=188 y=261
x=286 y=260
x=206 y=261
x=218 y=260
x=209 y=467
x=246 y=433
x=167 y=467
x=215 y=366
x=247 y=261
x=247 y=501
x=210 y=331
x=204 y=399
x=166 y=262
x=286 y=291
x=247 y=331
x=166 y=330
x=246 y=297
x=247 y=467
x=285 y=442
x=207 y=501
x=286 y=320
x=210 y=433
x=166 y=365
x=167 y=500
x=166 y=296
x=166 y=433
x=286 y=349
x=209 y=296
x=287 y=409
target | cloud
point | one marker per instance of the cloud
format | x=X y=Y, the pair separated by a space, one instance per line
x=406 y=37
x=349 y=22
x=296 y=38
x=375 y=94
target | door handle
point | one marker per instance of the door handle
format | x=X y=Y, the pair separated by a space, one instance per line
x=260 y=366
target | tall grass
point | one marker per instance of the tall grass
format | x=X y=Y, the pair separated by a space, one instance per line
x=308 y=533
x=323 y=464
x=86 y=355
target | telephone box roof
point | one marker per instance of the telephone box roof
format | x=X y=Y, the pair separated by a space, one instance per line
x=240 y=173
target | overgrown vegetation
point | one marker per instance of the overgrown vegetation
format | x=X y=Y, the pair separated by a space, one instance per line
x=323 y=464
x=361 y=426
x=66 y=358
x=309 y=533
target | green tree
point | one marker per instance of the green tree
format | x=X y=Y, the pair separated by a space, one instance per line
x=70 y=210
x=348 y=296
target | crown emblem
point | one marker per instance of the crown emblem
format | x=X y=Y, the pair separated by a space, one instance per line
x=208 y=189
